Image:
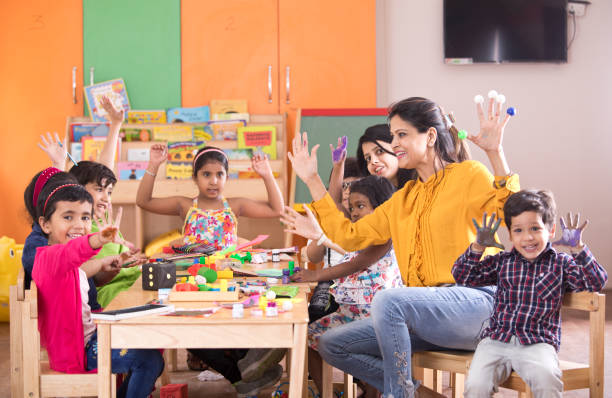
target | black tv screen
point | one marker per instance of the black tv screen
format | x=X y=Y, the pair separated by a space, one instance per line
x=505 y=31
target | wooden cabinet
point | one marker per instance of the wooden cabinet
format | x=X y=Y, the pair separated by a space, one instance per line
x=139 y=41
x=41 y=43
x=280 y=55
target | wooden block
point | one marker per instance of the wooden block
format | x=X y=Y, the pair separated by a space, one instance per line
x=173 y=391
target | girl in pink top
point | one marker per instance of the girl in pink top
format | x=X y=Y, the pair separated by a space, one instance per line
x=60 y=272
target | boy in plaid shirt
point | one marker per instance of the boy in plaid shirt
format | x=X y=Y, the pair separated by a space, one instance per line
x=524 y=331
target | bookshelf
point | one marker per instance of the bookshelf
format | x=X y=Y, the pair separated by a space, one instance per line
x=141 y=227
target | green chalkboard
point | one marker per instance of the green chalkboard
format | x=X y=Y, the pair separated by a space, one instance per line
x=324 y=128
x=139 y=41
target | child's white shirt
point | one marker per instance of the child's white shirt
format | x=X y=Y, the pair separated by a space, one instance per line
x=89 y=327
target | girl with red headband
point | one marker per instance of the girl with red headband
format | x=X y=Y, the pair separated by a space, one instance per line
x=60 y=272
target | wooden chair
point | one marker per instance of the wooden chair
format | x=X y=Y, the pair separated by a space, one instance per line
x=16 y=297
x=39 y=380
x=574 y=375
x=349 y=387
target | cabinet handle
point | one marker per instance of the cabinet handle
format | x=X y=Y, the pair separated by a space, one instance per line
x=91 y=76
x=269 y=84
x=74 y=98
x=288 y=83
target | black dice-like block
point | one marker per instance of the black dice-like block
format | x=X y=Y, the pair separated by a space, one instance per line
x=160 y=275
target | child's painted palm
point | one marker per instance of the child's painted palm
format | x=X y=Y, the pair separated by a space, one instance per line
x=571 y=236
x=339 y=153
x=485 y=235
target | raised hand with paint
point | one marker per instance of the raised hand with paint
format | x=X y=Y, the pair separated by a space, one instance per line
x=571 y=236
x=485 y=234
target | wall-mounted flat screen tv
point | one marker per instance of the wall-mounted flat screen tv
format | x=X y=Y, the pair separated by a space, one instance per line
x=505 y=31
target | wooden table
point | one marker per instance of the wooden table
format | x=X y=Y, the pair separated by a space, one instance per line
x=220 y=330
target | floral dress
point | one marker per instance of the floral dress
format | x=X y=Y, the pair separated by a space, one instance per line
x=354 y=294
x=217 y=227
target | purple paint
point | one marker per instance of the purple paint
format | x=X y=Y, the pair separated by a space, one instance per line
x=338 y=152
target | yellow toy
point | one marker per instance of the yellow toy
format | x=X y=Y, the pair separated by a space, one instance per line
x=10 y=264
x=158 y=243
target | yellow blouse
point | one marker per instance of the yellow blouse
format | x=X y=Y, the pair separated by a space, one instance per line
x=430 y=223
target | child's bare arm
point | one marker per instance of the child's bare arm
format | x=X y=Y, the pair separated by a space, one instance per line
x=335 y=180
x=260 y=209
x=109 y=152
x=110 y=264
x=362 y=261
x=172 y=205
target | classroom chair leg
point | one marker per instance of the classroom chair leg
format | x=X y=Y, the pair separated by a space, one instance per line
x=458 y=385
x=327 y=380
x=350 y=389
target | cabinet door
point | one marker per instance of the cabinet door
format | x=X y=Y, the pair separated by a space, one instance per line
x=230 y=51
x=330 y=50
x=41 y=41
x=140 y=41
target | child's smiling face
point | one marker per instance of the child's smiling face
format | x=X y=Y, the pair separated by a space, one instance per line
x=380 y=163
x=70 y=220
x=359 y=206
x=210 y=180
x=101 y=195
x=529 y=234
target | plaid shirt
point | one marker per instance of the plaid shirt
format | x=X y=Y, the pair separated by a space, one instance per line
x=528 y=298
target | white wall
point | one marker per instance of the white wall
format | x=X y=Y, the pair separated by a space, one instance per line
x=558 y=141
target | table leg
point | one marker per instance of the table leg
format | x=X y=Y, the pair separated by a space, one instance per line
x=298 y=360
x=104 y=361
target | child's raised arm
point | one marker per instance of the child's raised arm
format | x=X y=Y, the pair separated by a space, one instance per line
x=582 y=272
x=360 y=262
x=52 y=146
x=109 y=152
x=144 y=197
x=335 y=180
x=273 y=207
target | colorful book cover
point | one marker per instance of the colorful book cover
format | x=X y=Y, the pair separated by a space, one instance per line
x=114 y=90
x=179 y=171
x=131 y=170
x=76 y=149
x=172 y=132
x=232 y=116
x=226 y=130
x=136 y=134
x=184 y=151
x=202 y=132
x=259 y=138
x=92 y=147
x=87 y=129
x=138 y=154
x=219 y=107
x=143 y=117
x=189 y=115
x=239 y=154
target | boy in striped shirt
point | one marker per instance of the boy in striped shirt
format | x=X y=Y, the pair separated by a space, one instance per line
x=524 y=330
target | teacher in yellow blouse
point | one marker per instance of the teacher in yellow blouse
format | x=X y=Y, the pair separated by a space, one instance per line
x=429 y=222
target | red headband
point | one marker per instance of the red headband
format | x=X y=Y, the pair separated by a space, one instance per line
x=42 y=179
x=209 y=150
x=53 y=192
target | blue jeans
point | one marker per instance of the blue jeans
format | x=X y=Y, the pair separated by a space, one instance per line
x=406 y=320
x=142 y=366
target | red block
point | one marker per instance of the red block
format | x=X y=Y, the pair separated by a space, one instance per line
x=173 y=391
